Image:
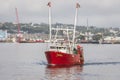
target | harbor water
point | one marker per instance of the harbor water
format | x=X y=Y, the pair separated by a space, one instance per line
x=26 y=61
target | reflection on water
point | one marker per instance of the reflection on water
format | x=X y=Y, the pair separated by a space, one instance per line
x=28 y=62
x=64 y=73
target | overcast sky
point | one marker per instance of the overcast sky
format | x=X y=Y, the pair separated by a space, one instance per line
x=100 y=13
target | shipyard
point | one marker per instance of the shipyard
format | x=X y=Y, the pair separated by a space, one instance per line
x=40 y=32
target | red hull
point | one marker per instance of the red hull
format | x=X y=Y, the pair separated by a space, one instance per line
x=60 y=58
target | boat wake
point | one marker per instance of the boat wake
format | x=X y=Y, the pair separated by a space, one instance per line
x=102 y=63
x=41 y=63
x=86 y=64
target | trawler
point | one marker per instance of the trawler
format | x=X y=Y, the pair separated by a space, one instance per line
x=64 y=51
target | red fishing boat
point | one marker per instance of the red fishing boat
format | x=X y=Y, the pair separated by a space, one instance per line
x=64 y=52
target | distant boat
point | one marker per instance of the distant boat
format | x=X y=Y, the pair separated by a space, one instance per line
x=64 y=52
x=31 y=41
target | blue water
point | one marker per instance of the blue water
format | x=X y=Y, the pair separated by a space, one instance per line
x=28 y=62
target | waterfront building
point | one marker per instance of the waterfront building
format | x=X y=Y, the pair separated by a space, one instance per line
x=3 y=35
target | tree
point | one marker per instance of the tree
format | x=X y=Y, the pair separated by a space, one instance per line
x=97 y=37
x=81 y=37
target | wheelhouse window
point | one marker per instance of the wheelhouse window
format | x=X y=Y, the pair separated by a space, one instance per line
x=54 y=47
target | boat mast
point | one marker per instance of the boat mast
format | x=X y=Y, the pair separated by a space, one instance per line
x=17 y=20
x=49 y=5
x=76 y=14
x=87 y=31
x=56 y=35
